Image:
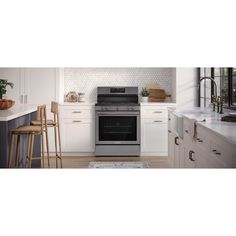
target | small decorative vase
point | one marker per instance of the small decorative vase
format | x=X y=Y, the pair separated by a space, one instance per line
x=144 y=99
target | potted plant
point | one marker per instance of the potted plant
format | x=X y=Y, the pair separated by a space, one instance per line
x=144 y=94
x=3 y=84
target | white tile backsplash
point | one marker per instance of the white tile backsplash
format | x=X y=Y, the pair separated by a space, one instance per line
x=86 y=80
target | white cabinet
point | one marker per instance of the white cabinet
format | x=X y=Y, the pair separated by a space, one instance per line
x=41 y=86
x=154 y=136
x=78 y=128
x=16 y=76
x=171 y=148
x=33 y=86
x=175 y=150
x=208 y=150
x=154 y=129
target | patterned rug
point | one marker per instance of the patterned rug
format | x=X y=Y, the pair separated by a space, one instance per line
x=119 y=165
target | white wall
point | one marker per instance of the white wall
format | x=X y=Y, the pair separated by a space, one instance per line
x=186 y=87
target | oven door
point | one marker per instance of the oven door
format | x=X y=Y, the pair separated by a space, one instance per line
x=118 y=128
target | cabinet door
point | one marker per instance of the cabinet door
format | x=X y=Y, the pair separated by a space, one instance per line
x=16 y=76
x=78 y=135
x=154 y=137
x=41 y=86
x=171 y=148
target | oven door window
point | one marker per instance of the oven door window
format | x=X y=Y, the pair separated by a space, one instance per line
x=117 y=128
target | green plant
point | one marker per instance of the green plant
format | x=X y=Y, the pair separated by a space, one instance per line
x=3 y=85
x=144 y=92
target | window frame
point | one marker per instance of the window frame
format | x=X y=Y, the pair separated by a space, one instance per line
x=230 y=104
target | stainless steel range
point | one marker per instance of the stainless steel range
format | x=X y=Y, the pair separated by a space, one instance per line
x=117 y=121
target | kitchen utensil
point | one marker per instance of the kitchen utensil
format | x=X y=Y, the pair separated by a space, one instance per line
x=157 y=95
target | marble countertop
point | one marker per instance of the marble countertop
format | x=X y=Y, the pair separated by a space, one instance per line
x=213 y=123
x=16 y=111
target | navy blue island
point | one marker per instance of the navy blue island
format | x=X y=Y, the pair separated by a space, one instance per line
x=10 y=119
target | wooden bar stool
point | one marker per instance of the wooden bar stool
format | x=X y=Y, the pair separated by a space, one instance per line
x=56 y=125
x=30 y=131
x=17 y=134
x=42 y=123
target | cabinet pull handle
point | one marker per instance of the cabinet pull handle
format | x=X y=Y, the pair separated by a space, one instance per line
x=76 y=111
x=169 y=131
x=26 y=99
x=191 y=156
x=176 y=138
x=186 y=131
x=214 y=150
x=169 y=119
x=157 y=120
x=21 y=99
x=157 y=112
x=76 y=121
x=218 y=153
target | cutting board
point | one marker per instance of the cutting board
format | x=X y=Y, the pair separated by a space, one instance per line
x=157 y=95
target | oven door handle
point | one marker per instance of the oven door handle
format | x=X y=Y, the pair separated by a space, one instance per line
x=116 y=113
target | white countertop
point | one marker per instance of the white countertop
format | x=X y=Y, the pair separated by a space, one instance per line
x=226 y=130
x=16 y=111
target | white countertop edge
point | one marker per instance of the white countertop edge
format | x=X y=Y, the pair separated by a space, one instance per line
x=25 y=110
x=158 y=104
x=77 y=103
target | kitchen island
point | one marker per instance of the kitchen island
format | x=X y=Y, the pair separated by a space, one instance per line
x=10 y=119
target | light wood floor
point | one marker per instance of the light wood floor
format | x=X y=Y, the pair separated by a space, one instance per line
x=83 y=161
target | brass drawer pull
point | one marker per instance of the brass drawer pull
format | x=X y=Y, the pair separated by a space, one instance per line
x=76 y=112
x=157 y=112
x=157 y=120
x=76 y=121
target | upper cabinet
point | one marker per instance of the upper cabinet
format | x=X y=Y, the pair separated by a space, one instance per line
x=33 y=86
x=41 y=85
x=16 y=76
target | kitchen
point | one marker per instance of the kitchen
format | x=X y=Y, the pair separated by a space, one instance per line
x=154 y=104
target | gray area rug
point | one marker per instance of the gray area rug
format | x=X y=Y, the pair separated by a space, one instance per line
x=119 y=165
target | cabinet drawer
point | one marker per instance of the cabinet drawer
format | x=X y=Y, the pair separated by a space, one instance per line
x=152 y=113
x=157 y=120
x=203 y=139
x=77 y=113
x=221 y=153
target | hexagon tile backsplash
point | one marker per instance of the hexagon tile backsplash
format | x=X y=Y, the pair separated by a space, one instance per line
x=86 y=80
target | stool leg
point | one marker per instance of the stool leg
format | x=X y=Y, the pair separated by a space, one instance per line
x=55 y=133
x=28 y=152
x=42 y=140
x=11 y=150
x=31 y=149
x=47 y=145
x=59 y=139
x=17 y=151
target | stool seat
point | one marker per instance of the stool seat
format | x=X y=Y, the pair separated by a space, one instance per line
x=38 y=123
x=27 y=129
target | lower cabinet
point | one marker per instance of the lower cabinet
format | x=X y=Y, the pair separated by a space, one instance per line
x=77 y=129
x=207 y=150
x=78 y=135
x=154 y=129
x=175 y=150
x=154 y=137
